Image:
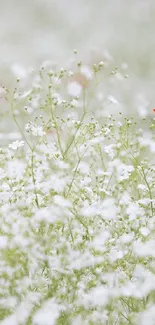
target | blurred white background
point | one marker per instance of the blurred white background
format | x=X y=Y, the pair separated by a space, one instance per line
x=35 y=30
x=32 y=31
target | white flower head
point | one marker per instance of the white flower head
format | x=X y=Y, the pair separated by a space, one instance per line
x=48 y=314
x=62 y=202
x=74 y=103
x=16 y=144
x=57 y=99
x=35 y=130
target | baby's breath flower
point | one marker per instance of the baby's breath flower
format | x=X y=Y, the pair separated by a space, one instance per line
x=16 y=144
x=48 y=314
x=57 y=99
x=74 y=103
x=35 y=130
x=76 y=205
x=101 y=64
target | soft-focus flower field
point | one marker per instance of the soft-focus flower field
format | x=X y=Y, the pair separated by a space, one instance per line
x=77 y=214
x=77 y=163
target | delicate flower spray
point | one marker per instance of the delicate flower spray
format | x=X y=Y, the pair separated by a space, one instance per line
x=77 y=208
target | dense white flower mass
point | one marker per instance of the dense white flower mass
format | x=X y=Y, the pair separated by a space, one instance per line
x=77 y=210
x=48 y=314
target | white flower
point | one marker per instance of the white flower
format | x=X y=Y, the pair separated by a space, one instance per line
x=109 y=149
x=97 y=296
x=48 y=314
x=142 y=187
x=126 y=238
x=16 y=144
x=101 y=64
x=74 y=89
x=57 y=99
x=145 y=231
x=124 y=171
x=70 y=73
x=108 y=209
x=134 y=210
x=15 y=169
x=96 y=140
x=145 y=249
x=74 y=103
x=88 y=211
x=35 y=130
x=62 y=202
x=99 y=242
x=56 y=80
x=147 y=316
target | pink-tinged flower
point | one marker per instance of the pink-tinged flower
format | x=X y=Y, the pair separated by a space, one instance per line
x=154 y=110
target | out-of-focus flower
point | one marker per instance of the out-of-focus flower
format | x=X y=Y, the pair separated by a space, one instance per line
x=35 y=130
x=16 y=144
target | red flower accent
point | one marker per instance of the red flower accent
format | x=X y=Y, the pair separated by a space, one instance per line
x=154 y=110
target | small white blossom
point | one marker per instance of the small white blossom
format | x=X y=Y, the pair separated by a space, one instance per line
x=36 y=131
x=74 y=103
x=62 y=202
x=57 y=99
x=133 y=210
x=142 y=187
x=16 y=144
x=109 y=150
x=47 y=314
x=145 y=231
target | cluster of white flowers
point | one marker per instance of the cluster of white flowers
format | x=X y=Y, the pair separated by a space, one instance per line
x=35 y=130
x=77 y=214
